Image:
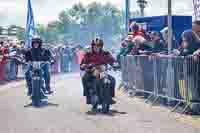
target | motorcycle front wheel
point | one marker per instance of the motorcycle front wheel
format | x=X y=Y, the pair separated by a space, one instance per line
x=36 y=98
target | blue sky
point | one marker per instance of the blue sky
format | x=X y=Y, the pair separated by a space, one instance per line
x=14 y=11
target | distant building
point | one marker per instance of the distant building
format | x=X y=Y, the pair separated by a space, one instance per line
x=8 y=34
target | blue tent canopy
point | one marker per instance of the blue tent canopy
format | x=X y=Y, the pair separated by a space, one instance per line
x=157 y=23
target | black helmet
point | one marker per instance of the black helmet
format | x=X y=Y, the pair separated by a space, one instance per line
x=37 y=40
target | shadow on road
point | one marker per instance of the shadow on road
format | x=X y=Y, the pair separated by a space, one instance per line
x=42 y=106
x=112 y=113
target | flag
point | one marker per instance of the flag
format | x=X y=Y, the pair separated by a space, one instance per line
x=196 y=4
x=30 y=26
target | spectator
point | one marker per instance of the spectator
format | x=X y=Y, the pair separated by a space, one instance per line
x=12 y=62
x=156 y=44
x=67 y=59
x=55 y=66
x=3 y=61
x=136 y=30
x=2 y=64
x=122 y=51
x=189 y=43
x=141 y=46
x=196 y=28
x=164 y=33
x=130 y=44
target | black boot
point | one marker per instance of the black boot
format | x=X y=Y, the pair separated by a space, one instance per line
x=49 y=91
x=105 y=108
x=95 y=108
x=29 y=91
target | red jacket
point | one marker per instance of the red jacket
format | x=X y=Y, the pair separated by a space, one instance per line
x=80 y=56
x=4 y=52
x=138 y=33
x=98 y=58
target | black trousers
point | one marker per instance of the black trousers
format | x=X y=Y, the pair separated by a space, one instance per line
x=89 y=82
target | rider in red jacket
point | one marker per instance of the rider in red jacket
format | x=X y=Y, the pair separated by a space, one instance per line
x=97 y=56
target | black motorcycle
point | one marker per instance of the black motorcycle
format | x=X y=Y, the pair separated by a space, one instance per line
x=100 y=91
x=38 y=96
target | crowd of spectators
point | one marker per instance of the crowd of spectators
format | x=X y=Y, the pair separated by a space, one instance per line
x=66 y=58
x=12 y=65
x=140 y=42
x=154 y=44
x=10 y=57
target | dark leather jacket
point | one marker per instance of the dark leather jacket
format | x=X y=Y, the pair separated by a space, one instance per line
x=38 y=54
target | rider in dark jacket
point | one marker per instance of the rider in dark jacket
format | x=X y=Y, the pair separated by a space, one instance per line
x=37 y=53
x=97 y=56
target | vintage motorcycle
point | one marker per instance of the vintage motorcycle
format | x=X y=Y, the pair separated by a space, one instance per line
x=100 y=93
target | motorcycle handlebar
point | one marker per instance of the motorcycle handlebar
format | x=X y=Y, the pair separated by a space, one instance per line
x=93 y=66
x=32 y=62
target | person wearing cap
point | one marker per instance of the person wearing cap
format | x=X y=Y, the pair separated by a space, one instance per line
x=37 y=53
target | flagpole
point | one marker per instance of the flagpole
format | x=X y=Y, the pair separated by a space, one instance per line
x=27 y=18
x=170 y=26
x=127 y=15
x=30 y=25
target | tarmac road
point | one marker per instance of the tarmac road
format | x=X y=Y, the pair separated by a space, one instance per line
x=68 y=113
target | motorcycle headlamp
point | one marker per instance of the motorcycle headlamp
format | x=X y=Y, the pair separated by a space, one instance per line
x=36 y=65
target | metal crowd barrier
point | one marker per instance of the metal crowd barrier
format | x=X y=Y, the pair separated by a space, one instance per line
x=172 y=78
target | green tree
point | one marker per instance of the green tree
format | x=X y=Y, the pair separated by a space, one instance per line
x=16 y=30
x=82 y=23
x=20 y=34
